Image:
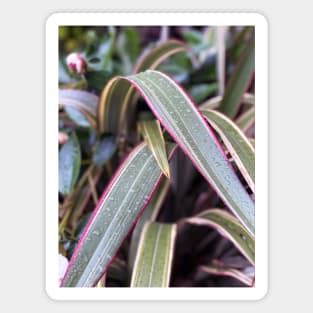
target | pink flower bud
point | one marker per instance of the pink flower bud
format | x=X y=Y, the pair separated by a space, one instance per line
x=63 y=138
x=76 y=62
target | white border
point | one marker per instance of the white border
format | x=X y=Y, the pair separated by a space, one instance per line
x=261 y=230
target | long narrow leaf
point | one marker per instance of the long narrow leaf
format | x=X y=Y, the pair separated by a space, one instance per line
x=227 y=271
x=188 y=128
x=154 y=257
x=214 y=103
x=246 y=120
x=149 y=214
x=229 y=227
x=239 y=81
x=119 y=207
x=152 y=58
x=236 y=142
x=153 y=136
x=79 y=98
x=117 y=95
x=80 y=106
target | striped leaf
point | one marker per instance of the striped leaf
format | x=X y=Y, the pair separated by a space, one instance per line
x=246 y=120
x=120 y=205
x=236 y=142
x=239 y=81
x=215 y=102
x=248 y=98
x=229 y=227
x=117 y=96
x=149 y=214
x=227 y=271
x=152 y=58
x=188 y=128
x=153 y=262
x=79 y=105
x=153 y=137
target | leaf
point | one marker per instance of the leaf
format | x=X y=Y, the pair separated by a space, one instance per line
x=188 y=128
x=248 y=98
x=115 y=99
x=120 y=205
x=236 y=142
x=227 y=271
x=78 y=116
x=80 y=106
x=246 y=120
x=238 y=81
x=229 y=227
x=69 y=164
x=212 y=103
x=97 y=79
x=128 y=47
x=153 y=136
x=152 y=58
x=104 y=150
x=154 y=257
x=200 y=92
x=79 y=99
x=149 y=214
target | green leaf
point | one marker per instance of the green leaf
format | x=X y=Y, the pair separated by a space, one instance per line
x=77 y=116
x=104 y=149
x=120 y=205
x=229 y=227
x=97 y=79
x=80 y=106
x=69 y=164
x=239 y=81
x=246 y=120
x=221 y=270
x=200 y=92
x=187 y=127
x=79 y=99
x=153 y=57
x=116 y=101
x=236 y=142
x=149 y=214
x=212 y=103
x=248 y=98
x=154 y=257
x=153 y=136
x=128 y=47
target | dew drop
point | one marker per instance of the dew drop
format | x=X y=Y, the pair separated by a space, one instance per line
x=96 y=233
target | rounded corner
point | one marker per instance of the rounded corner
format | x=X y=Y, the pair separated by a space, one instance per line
x=52 y=19
x=261 y=18
x=51 y=294
x=261 y=293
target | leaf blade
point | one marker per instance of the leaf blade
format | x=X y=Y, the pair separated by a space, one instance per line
x=113 y=105
x=153 y=136
x=69 y=164
x=227 y=271
x=150 y=214
x=79 y=99
x=246 y=120
x=116 y=212
x=154 y=258
x=189 y=129
x=238 y=81
x=236 y=142
x=229 y=227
